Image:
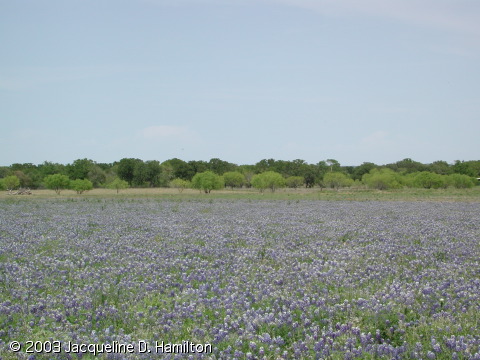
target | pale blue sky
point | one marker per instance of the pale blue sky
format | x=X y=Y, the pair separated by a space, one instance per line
x=241 y=80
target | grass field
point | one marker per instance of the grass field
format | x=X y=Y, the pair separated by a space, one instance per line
x=465 y=195
x=275 y=276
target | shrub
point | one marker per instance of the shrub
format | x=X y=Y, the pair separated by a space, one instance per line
x=234 y=179
x=118 y=184
x=11 y=182
x=428 y=180
x=81 y=185
x=382 y=179
x=57 y=182
x=268 y=180
x=337 y=180
x=460 y=181
x=294 y=181
x=207 y=181
x=179 y=184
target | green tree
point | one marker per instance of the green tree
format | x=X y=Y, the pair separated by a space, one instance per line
x=465 y=168
x=321 y=169
x=337 y=180
x=179 y=184
x=382 y=179
x=11 y=182
x=97 y=175
x=154 y=173
x=50 y=168
x=460 y=181
x=440 y=167
x=428 y=180
x=81 y=185
x=126 y=169
x=118 y=184
x=268 y=180
x=28 y=174
x=207 y=181
x=25 y=180
x=177 y=168
x=265 y=165
x=475 y=167
x=248 y=171
x=407 y=166
x=220 y=166
x=140 y=174
x=258 y=182
x=333 y=165
x=4 y=171
x=79 y=169
x=362 y=169
x=234 y=179
x=57 y=182
x=198 y=166
x=310 y=175
x=294 y=181
x=297 y=167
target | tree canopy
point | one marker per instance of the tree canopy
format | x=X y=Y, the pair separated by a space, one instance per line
x=154 y=173
x=57 y=182
x=11 y=182
x=234 y=179
x=118 y=184
x=268 y=180
x=207 y=181
x=81 y=185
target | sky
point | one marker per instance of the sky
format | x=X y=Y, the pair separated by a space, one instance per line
x=240 y=80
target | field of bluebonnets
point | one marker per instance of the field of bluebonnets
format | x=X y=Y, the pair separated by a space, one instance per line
x=269 y=279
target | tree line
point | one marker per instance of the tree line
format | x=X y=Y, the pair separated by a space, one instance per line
x=84 y=174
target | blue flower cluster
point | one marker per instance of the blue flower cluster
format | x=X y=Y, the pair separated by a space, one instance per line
x=256 y=279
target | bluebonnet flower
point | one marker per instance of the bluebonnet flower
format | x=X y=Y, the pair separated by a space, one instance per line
x=160 y=273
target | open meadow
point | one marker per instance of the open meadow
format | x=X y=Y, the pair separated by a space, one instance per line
x=348 y=194
x=240 y=276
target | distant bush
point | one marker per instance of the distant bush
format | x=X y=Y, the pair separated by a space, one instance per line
x=179 y=184
x=234 y=179
x=427 y=180
x=118 y=184
x=11 y=182
x=207 y=181
x=460 y=181
x=81 y=185
x=57 y=182
x=337 y=180
x=268 y=180
x=294 y=181
x=382 y=179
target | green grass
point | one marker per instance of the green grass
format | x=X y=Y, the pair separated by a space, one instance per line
x=347 y=194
